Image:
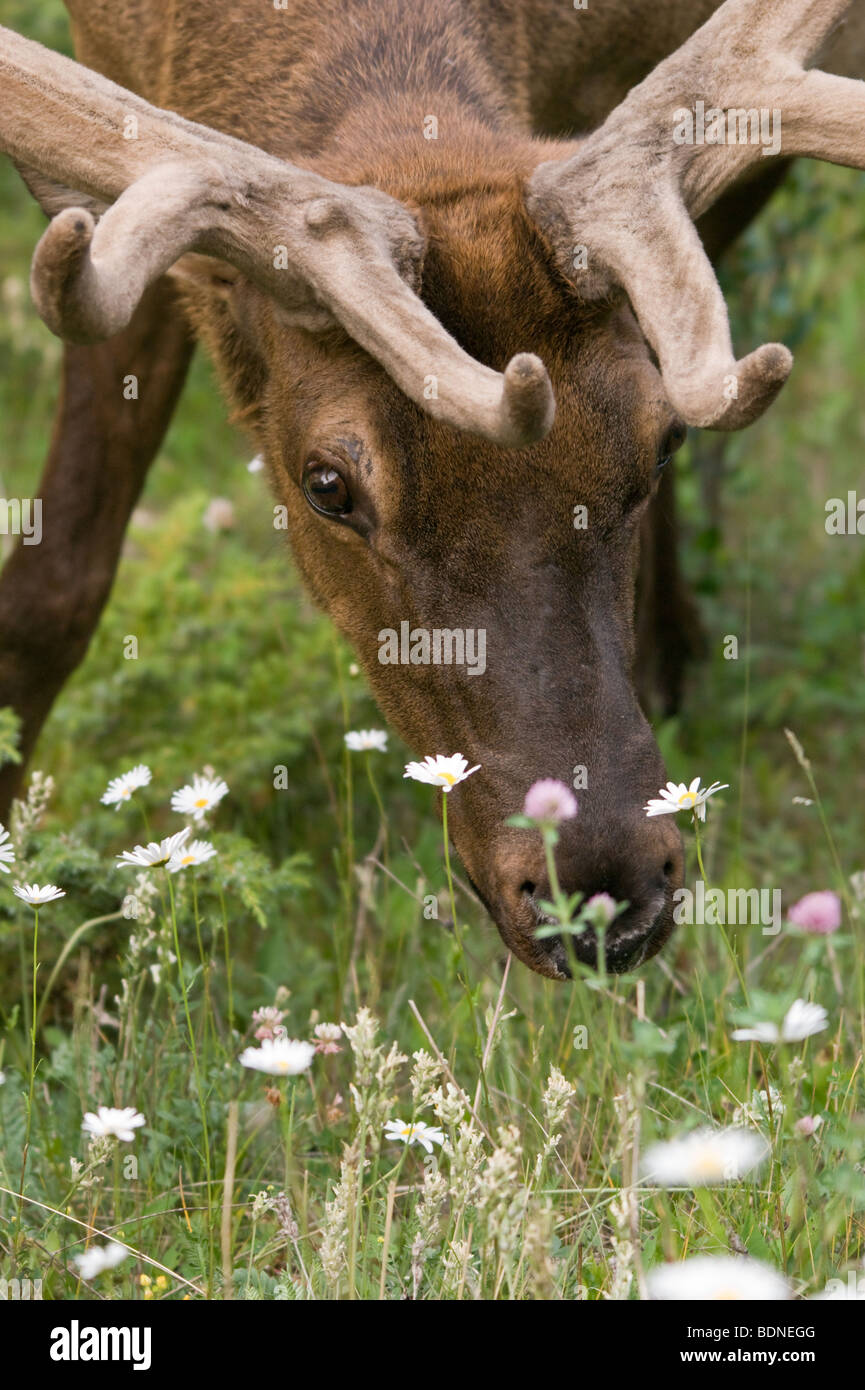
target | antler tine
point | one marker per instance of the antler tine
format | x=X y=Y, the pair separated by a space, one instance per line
x=179 y=187
x=630 y=192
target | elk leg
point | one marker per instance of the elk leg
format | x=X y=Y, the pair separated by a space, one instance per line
x=53 y=593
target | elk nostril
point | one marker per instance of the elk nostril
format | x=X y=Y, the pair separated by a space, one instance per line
x=527 y=887
x=669 y=868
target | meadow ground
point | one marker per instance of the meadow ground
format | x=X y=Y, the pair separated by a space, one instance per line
x=545 y=1099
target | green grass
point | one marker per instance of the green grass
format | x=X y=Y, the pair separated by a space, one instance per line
x=315 y=904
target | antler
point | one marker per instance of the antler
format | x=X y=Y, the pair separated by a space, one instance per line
x=629 y=194
x=179 y=187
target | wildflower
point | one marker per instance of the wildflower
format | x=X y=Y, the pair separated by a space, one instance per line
x=366 y=740
x=255 y=465
x=705 y=1158
x=152 y=855
x=450 y=1104
x=100 y=1257
x=327 y=1037
x=819 y=913
x=763 y=1108
x=268 y=1021
x=417 y=1133
x=800 y=1021
x=199 y=796
x=219 y=515
x=198 y=852
x=279 y=1056
x=121 y=1124
x=424 y=1075
x=718 y=1277
x=35 y=896
x=678 y=797
x=600 y=909
x=808 y=1125
x=121 y=789
x=557 y=1096
x=441 y=771
x=550 y=801
x=7 y=851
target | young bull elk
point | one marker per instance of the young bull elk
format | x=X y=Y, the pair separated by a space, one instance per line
x=446 y=260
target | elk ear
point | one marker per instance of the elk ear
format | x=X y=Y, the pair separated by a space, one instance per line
x=221 y=306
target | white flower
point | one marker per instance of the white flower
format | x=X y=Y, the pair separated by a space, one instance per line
x=219 y=515
x=365 y=740
x=676 y=796
x=2 y=1078
x=7 y=851
x=417 y=1133
x=34 y=895
x=255 y=465
x=197 y=853
x=121 y=1123
x=199 y=797
x=279 y=1056
x=98 y=1258
x=704 y=1158
x=148 y=856
x=719 y=1277
x=120 y=789
x=441 y=771
x=800 y=1021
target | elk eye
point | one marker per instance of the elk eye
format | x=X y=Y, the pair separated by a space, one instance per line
x=673 y=440
x=325 y=489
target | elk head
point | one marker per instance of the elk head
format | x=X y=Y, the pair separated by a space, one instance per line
x=375 y=341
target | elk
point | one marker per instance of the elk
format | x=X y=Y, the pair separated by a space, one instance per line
x=441 y=346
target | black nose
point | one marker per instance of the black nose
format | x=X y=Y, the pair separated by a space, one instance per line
x=636 y=863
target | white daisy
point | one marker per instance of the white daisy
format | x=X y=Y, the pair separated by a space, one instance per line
x=7 y=851
x=441 y=771
x=149 y=856
x=279 y=1056
x=800 y=1021
x=197 y=853
x=704 y=1158
x=98 y=1258
x=122 y=1124
x=120 y=789
x=676 y=796
x=417 y=1133
x=34 y=895
x=255 y=465
x=366 y=740
x=716 y=1277
x=199 y=796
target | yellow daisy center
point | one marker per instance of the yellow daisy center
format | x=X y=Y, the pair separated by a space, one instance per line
x=688 y=799
x=407 y=1131
x=201 y=802
x=708 y=1165
x=728 y=1296
x=448 y=777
